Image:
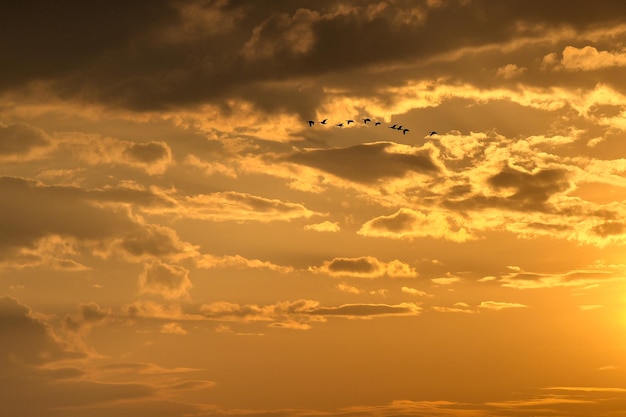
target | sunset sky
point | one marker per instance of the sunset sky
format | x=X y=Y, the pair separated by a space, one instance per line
x=176 y=240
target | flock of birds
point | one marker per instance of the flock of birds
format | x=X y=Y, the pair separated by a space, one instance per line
x=366 y=121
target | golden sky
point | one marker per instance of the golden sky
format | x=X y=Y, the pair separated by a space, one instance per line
x=176 y=240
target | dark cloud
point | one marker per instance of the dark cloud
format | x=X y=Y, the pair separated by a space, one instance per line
x=609 y=228
x=531 y=189
x=52 y=40
x=398 y=222
x=31 y=211
x=379 y=158
x=19 y=139
x=354 y=265
x=26 y=339
x=366 y=310
x=88 y=314
x=155 y=55
x=148 y=152
x=527 y=191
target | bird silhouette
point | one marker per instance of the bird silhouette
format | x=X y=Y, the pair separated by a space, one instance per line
x=323 y=122
x=311 y=123
x=339 y=124
x=433 y=133
x=399 y=128
x=350 y=121
x=366 y=120
x=376 y=124
x=392 y=127
x=404 y=131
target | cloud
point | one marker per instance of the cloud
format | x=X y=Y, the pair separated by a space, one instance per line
x=349 y=288
x=499 y=305
x=365 y=267
x=383 y=159
x=26 y=338
x=153 y=157
x=448 y=280
x=49 y=252
x=300 y=314
x=455 y=308
x=282 y=34
x=409 y=224
x=242 y=207
x=368 y=310
x=238 y=261
x=588 y=58
x=583 y=278
x=414 y=291
x=21 y=142
x=529 y=190
x=169 y=281
x=172 y=328
x=88 y=315
x=154 y=241
x=147 y=309
x=50 y=223
x=510 y=71
x=325 y=226
x=32 y=211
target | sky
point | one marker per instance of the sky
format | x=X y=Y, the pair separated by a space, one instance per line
x=176 y=239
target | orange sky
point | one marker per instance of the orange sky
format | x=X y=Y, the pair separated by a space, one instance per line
x=176 y=240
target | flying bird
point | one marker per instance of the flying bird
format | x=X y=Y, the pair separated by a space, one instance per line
x=392 y=127
x=311 y=123
x=433 y=133
x=350 y=121
x=404 y=131
x=323 y=122
x=366 y=120
x=339 y=124
x=376 y=124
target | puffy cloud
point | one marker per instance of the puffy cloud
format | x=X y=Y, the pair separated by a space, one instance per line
x=510 y=71
x=589 y=58
x=536 y=186
x=349 y=288
x=88 y=315
x=169 y=281
x=154 y=241
x=325 y=226
x=407 y=223
x=365 y=267
x=383 y=159
x=26 y=338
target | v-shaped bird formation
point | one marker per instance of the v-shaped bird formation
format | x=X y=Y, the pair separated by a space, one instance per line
x=366 y=120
